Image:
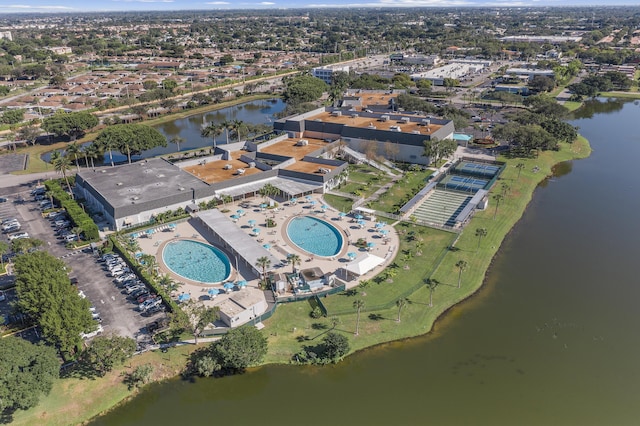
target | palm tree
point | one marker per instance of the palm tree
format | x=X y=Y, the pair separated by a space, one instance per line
x=132 y=245
x=226 y=198
x=168 y=283
x=519 y=166
x=505 y=188
x=461 y=265
x=74 y=150
x=226 y=125
x=211 y=131
x=108 y=145
x=481 y=232
x=295 y=260
x=177 y=140
x=94 y=152
x=263 y=263
x=358 y=305
x=498 y=198
x=61 y=164
x=401 y=304
x=236 y=126
x=150 y=263
x=335 y=321
x=432 y=284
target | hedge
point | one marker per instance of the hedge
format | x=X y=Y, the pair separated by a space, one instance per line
x=142 y=274
x=75 y=212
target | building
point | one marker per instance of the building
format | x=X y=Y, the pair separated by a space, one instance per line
x=6 y=35
x=528 y=74
x=428 y=60
x=241 y=308
x=541 y=39
x=326 y=73
x=453 y=70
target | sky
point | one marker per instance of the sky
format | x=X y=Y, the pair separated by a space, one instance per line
x=44 y=6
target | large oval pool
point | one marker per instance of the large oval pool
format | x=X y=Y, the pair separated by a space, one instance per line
x=315 y=236
x=196 y=261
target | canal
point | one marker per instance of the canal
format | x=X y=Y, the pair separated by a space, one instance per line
x=189 y=128
x=550 y=339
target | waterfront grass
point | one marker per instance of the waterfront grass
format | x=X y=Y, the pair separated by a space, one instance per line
x=625 y=95
x=76 y=400
x=572 y=105
x=291 y=328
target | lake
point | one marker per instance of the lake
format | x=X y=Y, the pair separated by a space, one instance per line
x=189 y=128
x=550 y=339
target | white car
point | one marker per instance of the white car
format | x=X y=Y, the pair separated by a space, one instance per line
x=18 y=236
x=92 y=333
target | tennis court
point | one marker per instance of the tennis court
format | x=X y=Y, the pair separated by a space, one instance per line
x=463 y=183
x=477 y=169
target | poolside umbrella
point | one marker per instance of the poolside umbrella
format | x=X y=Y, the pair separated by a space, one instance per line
x=294 y=200
x=324 y=207
x=359 y=216
x=351 y=255
x=252 y=222
x=149 y=231
x=313 y=203
x=212 y=291
x=240 y=212
x=371 y=245
x=256 y=230
x=384 y=231
x=360 y=222
x=235 y=217
x=228 y=285
x=342 y=214
x=172 y=225
x=267 y=246
x=242 y=283
x=379 y=225
x=263 y=206
x=184 y=297
x=308 y=197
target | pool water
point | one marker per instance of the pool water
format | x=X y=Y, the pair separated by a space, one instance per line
x=315 y=236
x=196 y=261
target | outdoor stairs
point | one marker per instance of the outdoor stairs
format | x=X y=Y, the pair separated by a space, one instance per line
x=442 y=207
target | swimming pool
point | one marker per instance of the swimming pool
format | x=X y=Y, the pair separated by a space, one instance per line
x=315 y=236
x=196 y=261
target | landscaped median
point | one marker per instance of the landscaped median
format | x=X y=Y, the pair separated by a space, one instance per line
x=291 y=327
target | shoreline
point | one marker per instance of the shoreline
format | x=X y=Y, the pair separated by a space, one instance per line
x=579 y=149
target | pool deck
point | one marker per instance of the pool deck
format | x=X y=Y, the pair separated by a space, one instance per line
x=281 y=246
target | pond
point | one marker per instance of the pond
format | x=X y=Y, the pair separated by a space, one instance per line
x=550 y=339
x=189 y=128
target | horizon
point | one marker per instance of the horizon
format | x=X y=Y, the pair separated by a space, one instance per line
x=111 y=6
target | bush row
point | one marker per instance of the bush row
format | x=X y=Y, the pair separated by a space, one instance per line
x=143 y=275
x=75 y=212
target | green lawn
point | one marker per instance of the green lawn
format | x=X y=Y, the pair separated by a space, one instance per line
x=76 y=400
x=572 y=106
x=339 y=203
x=291 y=327
x=403 y=190
x=629 y=95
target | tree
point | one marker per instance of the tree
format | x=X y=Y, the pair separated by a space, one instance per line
x=29 y=133
x=45 y=293
x=240 y=348
x=401 y=304
x=4 y=248
x=303 y=88
x=432 y=284
x=107 y=352
x=177 y=140
x=295 y=260
x=93 y=152
x=498 y=198
x=73 y=150
x=263 y=263
x=26 y=372
x=131 y=138
x=195 y=317
x=25 y=245
x=62 y=165
x=226 y=59
x=480 y=233
x=140 y=375
x=12 y=116
x=72 y=124
x=519 y=166
x=211 y=131
x=168 y=284
x=169 y=84
x=149 y=85
x=461 y=265
x=358 y=305
x=335 y=346
x=236 y=127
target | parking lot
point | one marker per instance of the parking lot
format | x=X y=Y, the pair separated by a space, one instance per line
x=118 y=315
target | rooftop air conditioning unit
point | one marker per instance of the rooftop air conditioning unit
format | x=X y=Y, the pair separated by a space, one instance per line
x=336 y=113
x=355 y=115
x=252 y=165
x=416 y=132
x=426 y=121
x=302 y=142
x=384 y=117
x=395 y=128
x=405 y=119
x=228 y=167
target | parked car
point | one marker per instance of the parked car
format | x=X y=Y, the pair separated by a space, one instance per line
x=149 y=303
x=3 y=200
x=18 y=235
x=91 y=334
x=125 y=277
x=153 y=310
x=140 y=292
x=130 y=290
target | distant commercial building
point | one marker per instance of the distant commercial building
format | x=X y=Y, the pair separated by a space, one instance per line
x=454 y=70
x=529 y=73
x=326 y=73
x=429 y=60
x=59 y=50
x=542 y=39
x=6 y=35
x=518 y=90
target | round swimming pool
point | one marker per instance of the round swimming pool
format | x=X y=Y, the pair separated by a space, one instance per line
x=196 y=261
x=315 y=236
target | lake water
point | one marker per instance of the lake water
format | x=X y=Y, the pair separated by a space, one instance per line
x=189 y=128
x=551 y=339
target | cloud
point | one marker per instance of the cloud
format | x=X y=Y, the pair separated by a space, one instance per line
x=26 y=6
x=267 y=3
x=144 y=1
x=217 y=2
x=400 y=3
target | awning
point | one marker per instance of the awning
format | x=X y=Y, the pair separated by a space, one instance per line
x=364 y=264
